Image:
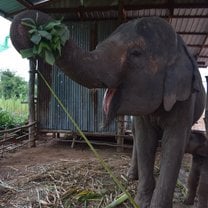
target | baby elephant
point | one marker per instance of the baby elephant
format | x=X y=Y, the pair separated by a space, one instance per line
x=198 y=178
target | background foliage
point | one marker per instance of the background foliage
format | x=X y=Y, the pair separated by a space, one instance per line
x=13 y=94
x=12 y=86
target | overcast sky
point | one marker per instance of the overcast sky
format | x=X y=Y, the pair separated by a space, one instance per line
x=11 y=59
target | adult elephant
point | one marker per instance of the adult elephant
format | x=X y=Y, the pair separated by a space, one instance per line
x=149 y=74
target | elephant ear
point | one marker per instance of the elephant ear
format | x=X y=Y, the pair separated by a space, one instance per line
x=182 y=77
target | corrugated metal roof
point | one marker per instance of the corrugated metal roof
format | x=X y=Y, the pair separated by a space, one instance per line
x=188 y=17
x=10 y=7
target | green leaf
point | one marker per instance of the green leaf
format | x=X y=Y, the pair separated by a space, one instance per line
x=86 y=195
x=36 y=38
x=59 y=49
x=45 y=34
x=64 y=34
x=27 y=53
x=34 y=30
x=47 y=39
x=51 y=25
x=45 y=45
x=55 y=39
x=49 y=57
x=40 y=48
x=36 y=50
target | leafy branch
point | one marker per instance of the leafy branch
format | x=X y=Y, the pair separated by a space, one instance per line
x=48 y=39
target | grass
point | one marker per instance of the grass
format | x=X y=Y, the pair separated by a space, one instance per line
x=12 y=112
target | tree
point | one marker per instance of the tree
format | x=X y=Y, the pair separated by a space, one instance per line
x=12 y=86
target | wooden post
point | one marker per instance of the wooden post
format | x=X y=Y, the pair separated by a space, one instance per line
x=206 y=109
x=121 y=12
x=31 y=102
x=120 y=133
x=120 y=126
x=94 y=92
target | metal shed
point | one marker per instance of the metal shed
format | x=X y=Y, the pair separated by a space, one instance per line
x=91 y=21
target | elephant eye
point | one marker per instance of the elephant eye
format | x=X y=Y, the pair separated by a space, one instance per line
x=136 y=52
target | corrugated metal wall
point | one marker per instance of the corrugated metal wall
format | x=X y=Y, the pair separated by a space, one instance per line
x=83 y=104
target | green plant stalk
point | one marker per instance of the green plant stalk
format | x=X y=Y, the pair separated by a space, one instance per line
x=123 y=197
x=99 y=158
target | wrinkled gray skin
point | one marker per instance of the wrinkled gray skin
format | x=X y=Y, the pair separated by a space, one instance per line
x=198 y=177
x=150 y=75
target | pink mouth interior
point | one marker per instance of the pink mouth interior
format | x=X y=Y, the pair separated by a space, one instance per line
x=107 y=99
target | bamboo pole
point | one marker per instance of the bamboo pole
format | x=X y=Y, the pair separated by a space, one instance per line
x=31 y=102
x=120 y=133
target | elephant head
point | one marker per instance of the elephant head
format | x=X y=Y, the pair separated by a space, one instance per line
x=143 y=63
x=198 y=144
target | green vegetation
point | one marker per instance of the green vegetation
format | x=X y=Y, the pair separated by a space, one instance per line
x=12 y=86
x=13 y=91
x=48 y=39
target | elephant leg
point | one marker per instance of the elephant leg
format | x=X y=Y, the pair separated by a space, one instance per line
x=203 y=186
x=193 y=181
x=173 y=143
x=146 y=144
x=133 y=173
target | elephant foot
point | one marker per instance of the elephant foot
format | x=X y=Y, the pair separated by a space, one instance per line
x=157 y=205
x=143 y=200
x=132 y=174
x=161 y=201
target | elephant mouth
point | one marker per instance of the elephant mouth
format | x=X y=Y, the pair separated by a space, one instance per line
x=108 y=96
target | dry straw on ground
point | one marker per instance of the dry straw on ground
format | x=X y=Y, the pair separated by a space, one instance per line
x=68 y=184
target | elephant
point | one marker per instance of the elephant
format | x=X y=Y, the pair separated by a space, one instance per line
x=198 y=177
x=149 y=74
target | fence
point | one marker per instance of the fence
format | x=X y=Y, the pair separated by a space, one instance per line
x=11 y=139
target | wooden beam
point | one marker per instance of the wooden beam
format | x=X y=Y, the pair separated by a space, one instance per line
x=197 y=46
x=171 y=10
x=192 y=33
x=203 y=57
x=26 y=4
x=201 y=63
x=121 y=12
x=112 y=8
x=203 y=45
x=44 y=3
x=61 y=10
x=168 y=5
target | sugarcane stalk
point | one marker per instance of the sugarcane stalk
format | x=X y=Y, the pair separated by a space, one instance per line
x=121 y=198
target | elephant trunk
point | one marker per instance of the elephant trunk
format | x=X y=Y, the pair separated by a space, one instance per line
x=19 y=33
x=90 y=69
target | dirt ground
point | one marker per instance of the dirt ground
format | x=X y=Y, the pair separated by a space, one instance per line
x=54 y=175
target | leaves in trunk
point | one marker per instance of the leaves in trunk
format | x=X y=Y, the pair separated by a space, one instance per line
x=47 y=39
